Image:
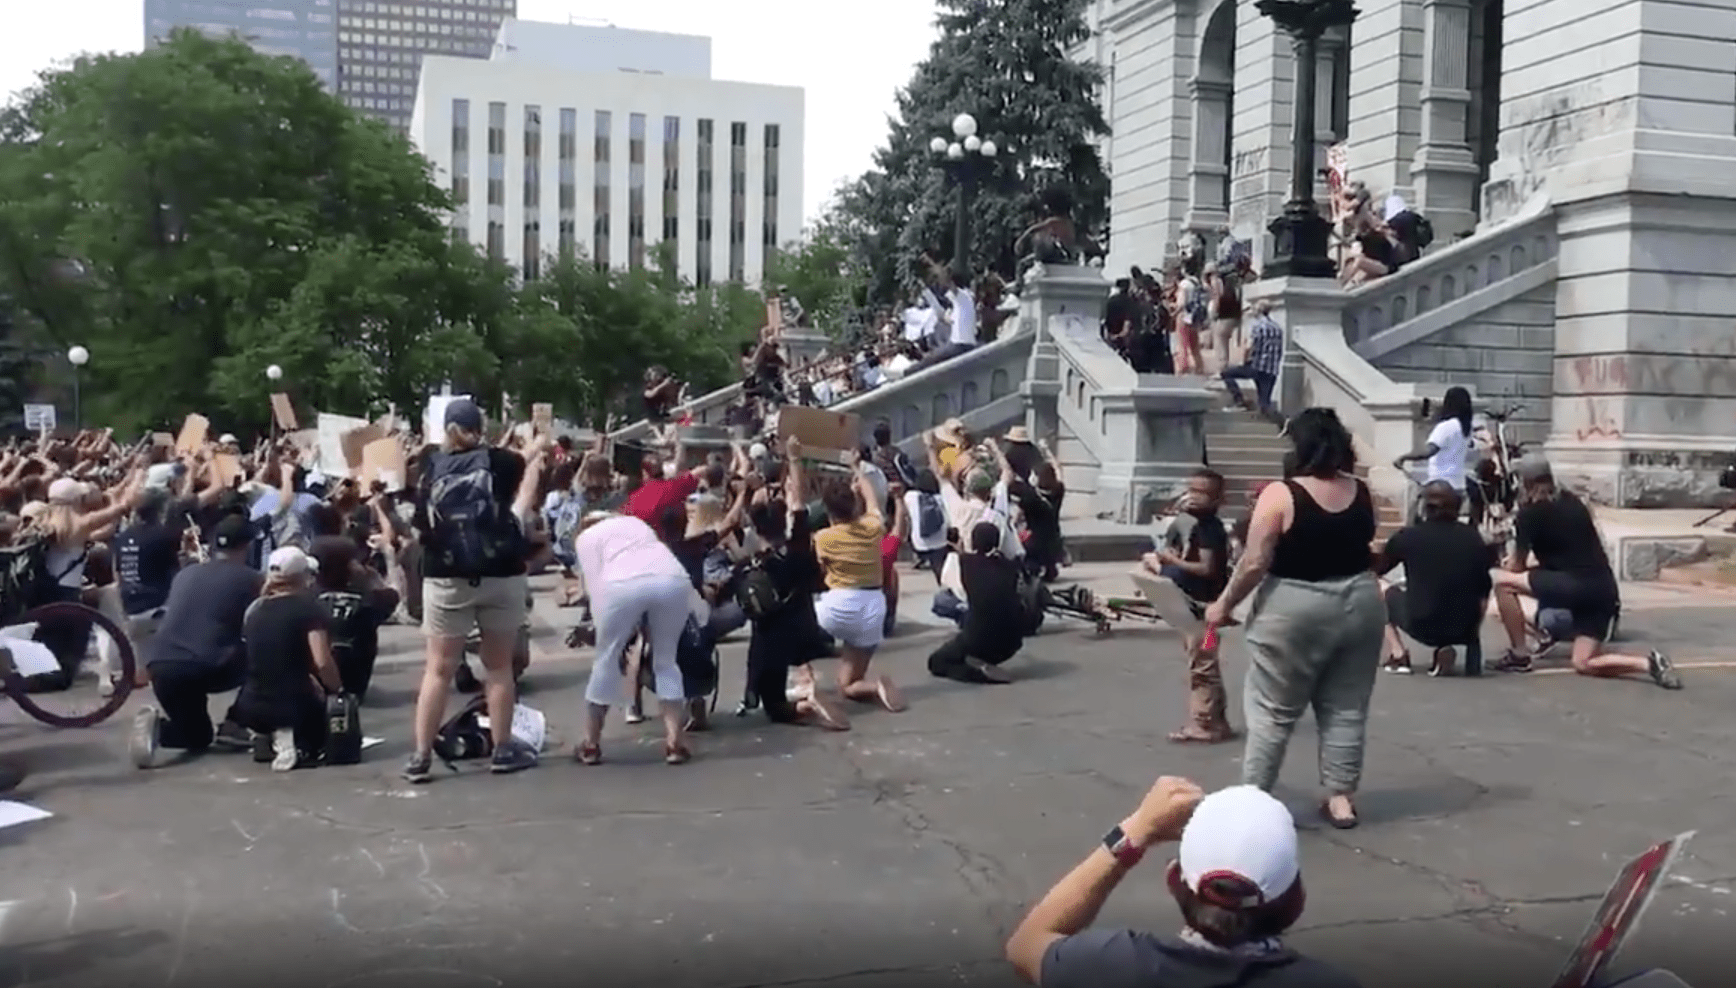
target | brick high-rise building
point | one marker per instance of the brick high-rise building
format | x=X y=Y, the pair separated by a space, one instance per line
x=381 y=43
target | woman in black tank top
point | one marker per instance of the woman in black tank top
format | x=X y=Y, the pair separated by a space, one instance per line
x=1316 y=621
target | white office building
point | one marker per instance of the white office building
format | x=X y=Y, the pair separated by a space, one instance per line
x=550 y=144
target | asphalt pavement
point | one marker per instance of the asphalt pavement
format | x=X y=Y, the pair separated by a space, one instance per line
x=1495 y=812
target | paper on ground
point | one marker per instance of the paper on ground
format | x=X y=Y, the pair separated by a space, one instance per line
x=29 y=657
x=368 y=742
x=528 y=725
x=12 y=813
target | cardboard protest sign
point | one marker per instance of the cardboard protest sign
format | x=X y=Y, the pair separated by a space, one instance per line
x=194 y=432
x=227 y=467
x=329 y=457
x=383 y=462
x=163 y=439
x=284 y=412
x=542 y=416
x=357 y=440
x=823 y=434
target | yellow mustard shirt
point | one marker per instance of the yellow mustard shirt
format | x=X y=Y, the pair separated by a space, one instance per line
x=850 y=553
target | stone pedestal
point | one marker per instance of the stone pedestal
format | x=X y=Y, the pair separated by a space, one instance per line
x=1444 y=170
x=804 y=346
x=1153 y=439
x=1078 y=291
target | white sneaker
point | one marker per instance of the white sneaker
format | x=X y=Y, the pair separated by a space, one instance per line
x=142 y=745
x=105 y=687
x=283 y=749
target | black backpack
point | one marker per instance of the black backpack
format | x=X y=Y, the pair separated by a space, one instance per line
x=757 y=592
x=1425 y=232
x=930 y=517
x=343 y=744
x=472 y=534
x=462 y=738
x=25 y=583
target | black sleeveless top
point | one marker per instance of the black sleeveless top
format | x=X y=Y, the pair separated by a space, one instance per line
x=1322 y=545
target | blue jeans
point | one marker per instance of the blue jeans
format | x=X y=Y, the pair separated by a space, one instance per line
x=1263 y=384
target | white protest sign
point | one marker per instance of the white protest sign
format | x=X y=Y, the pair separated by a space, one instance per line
x=329 y=456
x=528 y=725
x=39 y=418
x=30 y=658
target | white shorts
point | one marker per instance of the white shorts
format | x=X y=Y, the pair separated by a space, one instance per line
x=856 y=618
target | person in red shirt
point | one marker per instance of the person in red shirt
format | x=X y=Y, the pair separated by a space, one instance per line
x=657 y=495
x=889 y=547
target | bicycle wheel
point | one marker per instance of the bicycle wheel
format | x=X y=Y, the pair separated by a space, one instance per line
x=82 y=703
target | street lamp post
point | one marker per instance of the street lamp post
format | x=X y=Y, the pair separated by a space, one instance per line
x=966 y=159
x=77 y=356
x=274 y=374
x=1300 y=235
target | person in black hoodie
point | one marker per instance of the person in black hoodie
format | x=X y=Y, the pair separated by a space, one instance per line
x=785 y=631
x=994 y=621
x=1236 y=880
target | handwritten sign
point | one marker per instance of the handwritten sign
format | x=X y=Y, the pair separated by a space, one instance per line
x=542 y=417
x=227 y=467
x=823 y=434
x=383 y=462
x=194 y=432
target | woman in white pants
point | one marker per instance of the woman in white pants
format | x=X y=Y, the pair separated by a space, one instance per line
x=633 y=579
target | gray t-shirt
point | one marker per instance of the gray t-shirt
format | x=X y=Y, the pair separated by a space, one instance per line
x=1107 y=958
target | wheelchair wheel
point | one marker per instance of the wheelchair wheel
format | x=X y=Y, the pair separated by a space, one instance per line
x=81 y=703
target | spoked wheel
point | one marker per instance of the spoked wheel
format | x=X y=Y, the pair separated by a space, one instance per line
x=82 y=703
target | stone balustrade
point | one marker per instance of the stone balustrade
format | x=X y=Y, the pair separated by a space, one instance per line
x=1451 y=273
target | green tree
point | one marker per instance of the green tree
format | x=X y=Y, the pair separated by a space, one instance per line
x=220 y=212
x=585 y=335
x=1008 y=64
x=824 y=275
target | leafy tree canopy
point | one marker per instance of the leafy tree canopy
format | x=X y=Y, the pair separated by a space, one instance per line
x=1008 y=64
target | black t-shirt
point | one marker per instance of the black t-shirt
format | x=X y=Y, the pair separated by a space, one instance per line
x=147 y=557
x=354 y=621
x=1376 y=247
x=793 y=630
x=1108 y=958
x=1189 y=536
x=692 y=553
x=1446 y=568
x=206 y=606
x=1562 y=535
x=1042 y=515
x=994 y=612
x=508 y=470
x=279 y=659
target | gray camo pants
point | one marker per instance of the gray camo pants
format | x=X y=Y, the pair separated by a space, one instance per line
x=1311 y=645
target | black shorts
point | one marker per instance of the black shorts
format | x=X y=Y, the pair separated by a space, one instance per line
x=1594 y=603
x=1399 y=616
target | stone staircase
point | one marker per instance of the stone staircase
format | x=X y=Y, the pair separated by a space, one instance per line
x=1249 y=452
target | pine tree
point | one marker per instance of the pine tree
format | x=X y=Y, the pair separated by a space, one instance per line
x=1009 y=64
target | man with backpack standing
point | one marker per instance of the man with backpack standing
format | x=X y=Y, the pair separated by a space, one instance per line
x=474 y=505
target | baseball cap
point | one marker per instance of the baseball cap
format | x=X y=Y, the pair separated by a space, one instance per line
x=161 y=475
x=66 y=491
x=289 y=561
x=1533 y=466
x=232 y=532
x=463 y=413
x=1244 y=835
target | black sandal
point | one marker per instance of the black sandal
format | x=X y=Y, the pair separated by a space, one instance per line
x=1338 y=822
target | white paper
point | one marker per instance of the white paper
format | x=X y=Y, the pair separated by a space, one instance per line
x=528 y=725
x=12 y=814
x=368 y=742
x=329 y=451
x=393 y=483
x=28 y=657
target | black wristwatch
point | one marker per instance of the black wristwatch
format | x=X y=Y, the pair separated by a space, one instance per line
x=1122 y=848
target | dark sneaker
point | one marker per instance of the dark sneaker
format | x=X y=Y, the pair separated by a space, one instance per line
x=1663 y=671
x=1397 y=664
x=142 y=744
x=232 y=737
x=748 y=705
x=418 y=769
x=514 y=756
x=1444 y=660
x=1513 y=662
x=263 y=749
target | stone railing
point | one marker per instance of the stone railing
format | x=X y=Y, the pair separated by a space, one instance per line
x=1451 y=283
x=1146 y=431
x=981 y=388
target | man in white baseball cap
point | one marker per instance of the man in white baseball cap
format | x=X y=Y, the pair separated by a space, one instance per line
x=1236 y=878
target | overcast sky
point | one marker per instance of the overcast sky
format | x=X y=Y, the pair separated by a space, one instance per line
x=851 y=58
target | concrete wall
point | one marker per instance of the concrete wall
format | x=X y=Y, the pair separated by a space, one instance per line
x=1506 y=355
x=1150 y=51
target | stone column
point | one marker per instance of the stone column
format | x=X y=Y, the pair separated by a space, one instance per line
x=1069 y=290
x=1444 y=170
x=1208 y=177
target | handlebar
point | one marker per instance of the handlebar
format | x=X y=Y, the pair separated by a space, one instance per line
x=1502 y=415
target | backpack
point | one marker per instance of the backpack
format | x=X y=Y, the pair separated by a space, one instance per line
x=462 y=738
x=343 y=744
x=930 y=517
x=1197 y=300
x=25 y=583
x=345 y=610
x=757 y=592
x=1425 y=232
x=472 y=533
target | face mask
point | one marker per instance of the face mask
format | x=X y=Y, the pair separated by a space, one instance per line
x=670 y=471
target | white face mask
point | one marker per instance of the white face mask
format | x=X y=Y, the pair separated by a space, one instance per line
x=670 y=471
